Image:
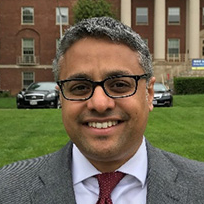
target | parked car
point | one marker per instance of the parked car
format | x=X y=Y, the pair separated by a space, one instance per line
x=162 y=95
x=39 y=95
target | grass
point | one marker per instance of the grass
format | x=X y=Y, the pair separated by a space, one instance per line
x=179 y=129
x=31 y=133
x=7 y=103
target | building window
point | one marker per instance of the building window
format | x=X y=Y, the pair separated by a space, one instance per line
x=173 y=16
x=27 y=15
x=141 y=16
x=28 y=50
x=173 y=47
x=28 y=78
x=203 y=16
x=63 y=12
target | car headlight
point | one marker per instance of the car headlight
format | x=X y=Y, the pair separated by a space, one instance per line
x=51 y=95
x=166 y=94
x=19 y=96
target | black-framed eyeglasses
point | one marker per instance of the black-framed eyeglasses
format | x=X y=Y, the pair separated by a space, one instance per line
x=81 y=89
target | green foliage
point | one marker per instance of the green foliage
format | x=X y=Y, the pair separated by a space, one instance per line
x=5 y=94
x=189 y=85
x=92 y=8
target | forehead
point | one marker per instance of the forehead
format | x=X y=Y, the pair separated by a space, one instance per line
x=99 y=57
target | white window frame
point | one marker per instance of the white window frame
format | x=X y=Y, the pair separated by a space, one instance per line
x=22 y=21
x=64 y=12
x=145 y=15
x=177 y=12
x=31 y=79
x=172 y=55
x=23 y=40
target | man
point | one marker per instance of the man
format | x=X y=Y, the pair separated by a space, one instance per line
x=105 y=76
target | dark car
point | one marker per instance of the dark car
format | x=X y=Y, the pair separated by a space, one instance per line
x=162 y=95
x=39 y=95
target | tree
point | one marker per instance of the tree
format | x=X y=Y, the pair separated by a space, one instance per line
x=92 y=8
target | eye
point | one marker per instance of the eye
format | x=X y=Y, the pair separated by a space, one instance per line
x=120 y=85
x=77 y=88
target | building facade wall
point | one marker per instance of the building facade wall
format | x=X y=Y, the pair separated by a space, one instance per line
x=44 y=30
x=171 y=31
x=177 y=31
x=12 y=77
x=146 y=31
x=45 y=33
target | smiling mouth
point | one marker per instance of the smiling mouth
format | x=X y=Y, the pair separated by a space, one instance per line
x=103 y=125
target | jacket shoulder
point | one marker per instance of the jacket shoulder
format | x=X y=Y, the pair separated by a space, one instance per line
x=187 y=166
x=17 y=178
x=20 y=179
x=172 y=177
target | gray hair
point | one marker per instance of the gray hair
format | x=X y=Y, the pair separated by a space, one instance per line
x=100 y=27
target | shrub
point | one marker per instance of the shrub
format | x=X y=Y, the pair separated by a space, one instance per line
x=189 y=85
x=4 y=94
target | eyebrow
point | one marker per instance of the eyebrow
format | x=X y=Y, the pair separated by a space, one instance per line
x=117 y=72
x=79 y=75
x=108 y=74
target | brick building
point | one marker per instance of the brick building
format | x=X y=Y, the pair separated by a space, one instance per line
x=30 y=30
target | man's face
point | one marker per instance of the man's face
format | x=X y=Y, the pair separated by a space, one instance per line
x=126 y=118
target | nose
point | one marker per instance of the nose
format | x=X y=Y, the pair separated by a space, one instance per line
x=100 y=102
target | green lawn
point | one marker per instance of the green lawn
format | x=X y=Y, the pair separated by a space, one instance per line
x=7 y=103
x=30 y=133
x=179 y=129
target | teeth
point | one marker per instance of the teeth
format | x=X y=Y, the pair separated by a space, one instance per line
x=102 y=125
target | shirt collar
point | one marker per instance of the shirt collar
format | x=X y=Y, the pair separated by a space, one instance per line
x=81 y=167
x=136 y=166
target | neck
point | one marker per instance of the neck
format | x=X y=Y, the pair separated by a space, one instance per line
x=106 y=166
x=109 y=166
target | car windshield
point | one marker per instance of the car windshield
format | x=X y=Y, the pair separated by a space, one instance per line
x=42 y=86
x=159 y=87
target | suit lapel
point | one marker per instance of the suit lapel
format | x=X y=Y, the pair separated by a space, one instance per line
x=163 y=186
x=56 y=180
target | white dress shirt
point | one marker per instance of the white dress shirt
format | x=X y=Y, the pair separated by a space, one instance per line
x=131 y=189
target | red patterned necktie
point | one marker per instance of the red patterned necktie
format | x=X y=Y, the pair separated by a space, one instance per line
x=107 y=182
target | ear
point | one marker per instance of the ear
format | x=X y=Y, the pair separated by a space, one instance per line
x=57 y=87
x=150 y=91
x=60 y=94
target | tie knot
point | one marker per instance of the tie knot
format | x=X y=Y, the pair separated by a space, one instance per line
x=107 y=182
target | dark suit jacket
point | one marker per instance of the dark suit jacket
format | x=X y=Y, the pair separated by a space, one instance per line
x=48 y=179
